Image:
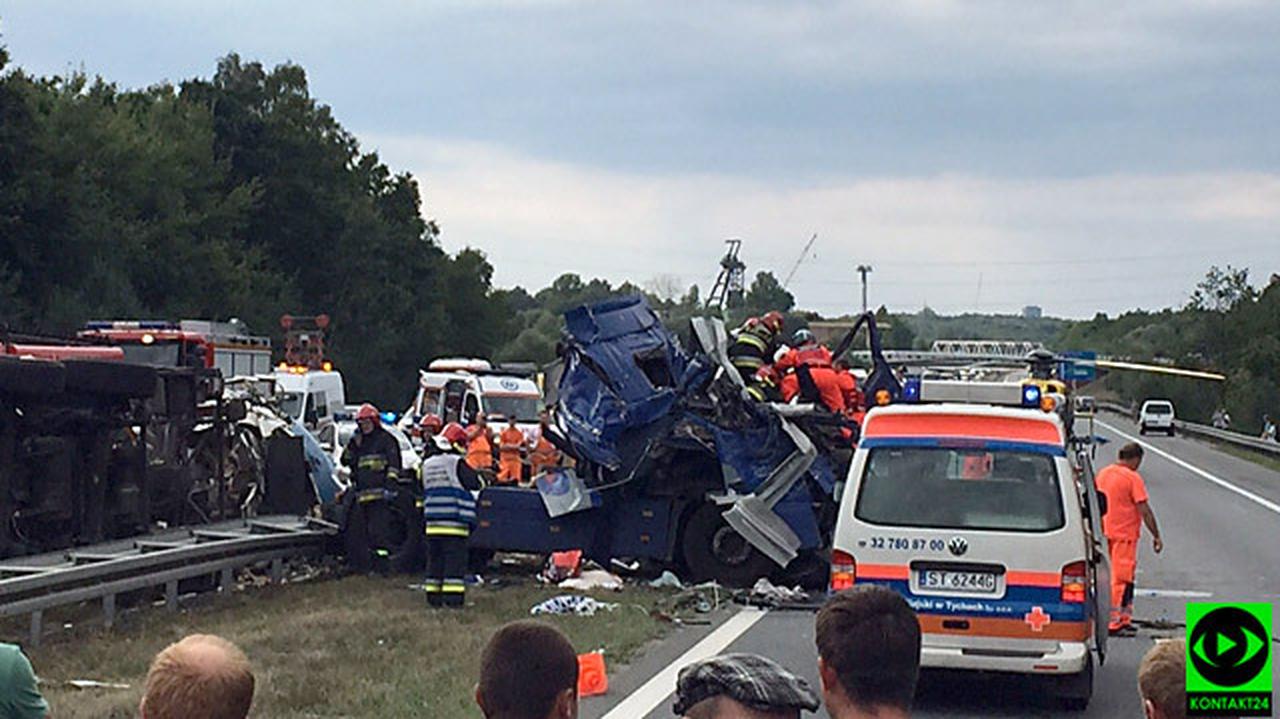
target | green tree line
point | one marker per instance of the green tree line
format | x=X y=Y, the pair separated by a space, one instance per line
x=1227 y=326
x=238 y=195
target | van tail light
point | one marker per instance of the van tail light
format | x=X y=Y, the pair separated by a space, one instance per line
x=1075 y=583
x=844 y=571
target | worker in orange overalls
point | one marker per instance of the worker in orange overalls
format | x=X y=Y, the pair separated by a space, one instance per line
x=543 y=454
x=480 y=446
x=510 y=446
x=1126 y=511
x=809 y=357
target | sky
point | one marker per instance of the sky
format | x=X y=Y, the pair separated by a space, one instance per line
x=980 y=156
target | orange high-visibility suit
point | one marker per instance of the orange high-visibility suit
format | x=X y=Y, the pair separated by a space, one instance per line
x=510 y=444
x=543 y=455
x=1122 y=524
x=479 y=448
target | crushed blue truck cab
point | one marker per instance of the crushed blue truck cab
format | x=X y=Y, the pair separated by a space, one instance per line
x=674 y=462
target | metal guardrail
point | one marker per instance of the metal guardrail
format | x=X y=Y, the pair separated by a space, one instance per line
x=30 y=585
x=1195 y=429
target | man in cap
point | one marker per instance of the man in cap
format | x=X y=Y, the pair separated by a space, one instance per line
x=741 y=686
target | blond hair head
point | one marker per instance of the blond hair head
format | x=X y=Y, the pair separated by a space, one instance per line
x=199 y=677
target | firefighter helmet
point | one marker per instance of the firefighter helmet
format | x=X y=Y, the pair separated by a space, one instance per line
x=366 y=411
x=451 y=438
x=802 y=337
x=773 y=321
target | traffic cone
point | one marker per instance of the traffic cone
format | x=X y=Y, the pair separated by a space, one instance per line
x=592 y=677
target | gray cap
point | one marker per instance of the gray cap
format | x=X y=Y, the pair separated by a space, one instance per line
x=754 y=680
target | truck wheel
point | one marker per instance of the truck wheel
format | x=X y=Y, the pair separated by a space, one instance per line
x=712 y=550
x=118 y=379
x=31 y=377
x=1075 y=690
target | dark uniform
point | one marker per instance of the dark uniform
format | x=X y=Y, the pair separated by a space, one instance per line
x=753 y=347
x=374 y=460
x=449 y=514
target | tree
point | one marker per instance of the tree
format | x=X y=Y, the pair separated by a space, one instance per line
x=1222 y=290
x=766 y=294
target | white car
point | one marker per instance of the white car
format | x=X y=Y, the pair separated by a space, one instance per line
x=1156 y=415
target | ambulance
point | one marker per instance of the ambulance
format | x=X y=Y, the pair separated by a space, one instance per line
x=975 y=502
x=460 y=389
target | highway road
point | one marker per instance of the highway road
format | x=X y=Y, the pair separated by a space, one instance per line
x=1220 y=517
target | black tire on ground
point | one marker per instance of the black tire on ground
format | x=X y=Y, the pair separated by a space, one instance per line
x=1075 y=690
x=1142 y=429
x=811 y=570
x=31 y=378
x=117 y=379
x=1172 y=432
x=712 y=550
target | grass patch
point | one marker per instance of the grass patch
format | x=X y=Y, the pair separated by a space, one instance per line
x=351 y=647
x=1270 y=462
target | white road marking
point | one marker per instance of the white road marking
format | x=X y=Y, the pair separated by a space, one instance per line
x=1172 y=593
x=1256 y=499
x=653 y=692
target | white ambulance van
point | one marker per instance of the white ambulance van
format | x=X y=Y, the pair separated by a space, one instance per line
x=459 y=389
x=971 y=500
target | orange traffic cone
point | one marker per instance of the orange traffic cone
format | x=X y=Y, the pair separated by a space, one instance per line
x=592 y=678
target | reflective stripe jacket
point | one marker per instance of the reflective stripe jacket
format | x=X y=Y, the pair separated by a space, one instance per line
x=374 y=459
x=752 y=348
x=448 y=507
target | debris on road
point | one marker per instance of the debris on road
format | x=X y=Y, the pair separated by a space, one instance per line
x=572 y=604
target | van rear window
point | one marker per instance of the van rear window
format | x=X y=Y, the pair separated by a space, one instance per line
x=1159 y=409
x=960 y=488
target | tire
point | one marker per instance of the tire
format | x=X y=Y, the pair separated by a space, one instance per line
x=1142 y=429
x=1075 y=690
x=712 y=550
x=31 y=378
x=1172 y=432
x=116 y=379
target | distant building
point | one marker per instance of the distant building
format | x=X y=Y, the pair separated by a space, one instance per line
x=1032 y=312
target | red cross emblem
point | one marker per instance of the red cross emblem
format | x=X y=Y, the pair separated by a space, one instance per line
x=1037 y=619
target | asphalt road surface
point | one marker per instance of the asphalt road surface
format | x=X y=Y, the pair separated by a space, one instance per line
x=1222 y=543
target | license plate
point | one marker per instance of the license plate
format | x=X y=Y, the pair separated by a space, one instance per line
x=971 y=582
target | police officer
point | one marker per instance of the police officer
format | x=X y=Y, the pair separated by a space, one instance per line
x=373 y=456
x=449 y=513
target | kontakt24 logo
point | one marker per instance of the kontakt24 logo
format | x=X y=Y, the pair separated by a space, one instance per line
x=1229 y=653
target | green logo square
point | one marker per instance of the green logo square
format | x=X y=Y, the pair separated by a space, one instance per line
x=1229 y=659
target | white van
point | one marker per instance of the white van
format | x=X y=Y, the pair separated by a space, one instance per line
x=983 y=519
x=457 y=390
x=312 y=397
x=1156 y=415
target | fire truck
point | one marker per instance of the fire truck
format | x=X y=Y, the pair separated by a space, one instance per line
x=226 y=346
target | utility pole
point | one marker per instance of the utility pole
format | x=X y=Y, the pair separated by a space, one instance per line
x=863 y=270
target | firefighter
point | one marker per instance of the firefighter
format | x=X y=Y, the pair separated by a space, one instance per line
x=480 y=446
x=428 y=427
x=754 y=344
x=449 y=514
x=543 y=454
x=373 y=456
x=1127 y=509
x=510 y=447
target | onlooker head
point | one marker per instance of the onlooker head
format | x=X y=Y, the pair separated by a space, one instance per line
x=528 y=671
x=741 y=686
x=1131 y=455
x=1162 y=680
x=19 y=693
x=868 y=653
x=199 y=677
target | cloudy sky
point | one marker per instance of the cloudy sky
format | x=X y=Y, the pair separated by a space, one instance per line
x=1082 y=156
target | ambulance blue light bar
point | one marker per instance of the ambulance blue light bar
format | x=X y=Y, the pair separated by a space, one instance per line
x=1031 y=395
x=1005 y=394
x=130 y=325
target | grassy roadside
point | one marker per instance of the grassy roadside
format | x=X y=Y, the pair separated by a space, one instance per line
x=1271 y=463
x=350 y=647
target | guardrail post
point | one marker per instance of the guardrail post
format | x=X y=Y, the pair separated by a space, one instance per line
x=37 y=627
x=277 y=570
x=225 y=579
x=109 y=610
x=171 y=596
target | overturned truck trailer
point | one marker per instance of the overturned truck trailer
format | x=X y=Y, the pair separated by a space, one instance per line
x=674 y=462
x=94 y=450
